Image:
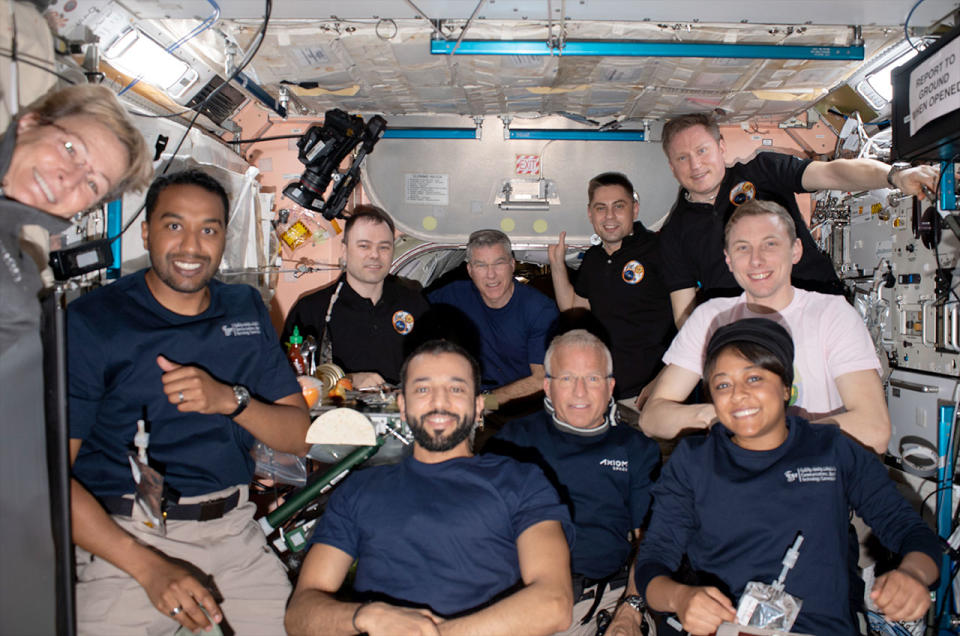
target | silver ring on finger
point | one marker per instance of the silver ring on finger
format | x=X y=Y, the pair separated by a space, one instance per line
x=176 y=610
x=180 y=398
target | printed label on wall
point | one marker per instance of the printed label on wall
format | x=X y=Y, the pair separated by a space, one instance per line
x=426 y=189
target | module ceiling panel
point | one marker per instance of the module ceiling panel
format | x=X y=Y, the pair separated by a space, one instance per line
x=374 y=55
x=839 y=12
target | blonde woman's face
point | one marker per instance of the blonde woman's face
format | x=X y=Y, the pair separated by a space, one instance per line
x=64 y=167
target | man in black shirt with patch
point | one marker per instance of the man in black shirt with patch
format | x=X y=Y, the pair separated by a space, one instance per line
x=366 y=315
x=620 y=282
x=692 y=238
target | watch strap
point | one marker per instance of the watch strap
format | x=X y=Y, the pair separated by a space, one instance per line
x=894 y=169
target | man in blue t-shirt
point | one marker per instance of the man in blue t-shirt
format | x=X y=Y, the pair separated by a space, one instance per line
x=511 y=321
x=196 y=360
x=445 y=540
x=604 y=472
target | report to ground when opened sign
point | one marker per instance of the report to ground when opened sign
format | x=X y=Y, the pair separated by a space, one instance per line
x=935 y=86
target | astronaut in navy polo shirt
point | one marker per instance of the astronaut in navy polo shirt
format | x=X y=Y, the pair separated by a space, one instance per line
x=197 y=360
x=511 y=320
x=366 y=317
x=445 y=541
x=604 y=472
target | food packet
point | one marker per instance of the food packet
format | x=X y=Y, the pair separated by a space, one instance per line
x=149 y=495
x=768 y=605
x=296 y=235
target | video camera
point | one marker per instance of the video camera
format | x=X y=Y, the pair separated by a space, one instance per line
x=322 y=149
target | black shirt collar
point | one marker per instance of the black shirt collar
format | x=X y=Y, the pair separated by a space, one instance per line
x=349 y=295
x=723 y=194
x=639 y=235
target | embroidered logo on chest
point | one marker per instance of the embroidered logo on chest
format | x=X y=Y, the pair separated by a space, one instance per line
x=402 y=322
x=811 y=474
x=632 y=272
x=241 y=329
x=742 y=192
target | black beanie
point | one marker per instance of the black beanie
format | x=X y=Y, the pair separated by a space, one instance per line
x=761 y=331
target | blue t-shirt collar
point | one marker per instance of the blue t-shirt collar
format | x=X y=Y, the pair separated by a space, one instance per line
x=141 y=294
x=726 y=435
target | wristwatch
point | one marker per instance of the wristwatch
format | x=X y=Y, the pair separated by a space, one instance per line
x=242 y=394
x=636 y=602
x=894 y=169
x=640 y=606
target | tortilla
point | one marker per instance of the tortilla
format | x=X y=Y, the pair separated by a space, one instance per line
x=342 y=426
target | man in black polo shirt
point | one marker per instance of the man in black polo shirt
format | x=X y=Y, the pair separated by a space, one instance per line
x=692 y=238
x=366 y=315
x=620 y=282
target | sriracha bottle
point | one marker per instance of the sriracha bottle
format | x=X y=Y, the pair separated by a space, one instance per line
x=293 y=352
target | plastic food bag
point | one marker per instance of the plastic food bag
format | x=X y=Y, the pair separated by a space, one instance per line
x=768 y=605
x=296 y=235
x=284 y=468
x=149 y=495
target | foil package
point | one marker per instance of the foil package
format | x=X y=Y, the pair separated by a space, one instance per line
x=767 y=606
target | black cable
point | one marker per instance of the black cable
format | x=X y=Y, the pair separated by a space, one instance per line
x=162 y=172
x=936 y=250
x=953 y=466
x=21 y=59
x=13 y=39
x=932 y=493
x=21 y=55
x=951 y=474
x=946 y=296
x=261 y=35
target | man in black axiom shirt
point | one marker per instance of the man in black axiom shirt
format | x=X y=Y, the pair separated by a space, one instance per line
x=692 y=238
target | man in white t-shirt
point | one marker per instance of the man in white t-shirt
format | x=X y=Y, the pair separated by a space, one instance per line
x=836 y=370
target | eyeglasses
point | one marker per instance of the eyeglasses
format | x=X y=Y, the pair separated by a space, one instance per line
x=571 y=380
x=77 y=150
x=498 y=264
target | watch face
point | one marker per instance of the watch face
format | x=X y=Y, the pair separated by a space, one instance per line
x=636 y=602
